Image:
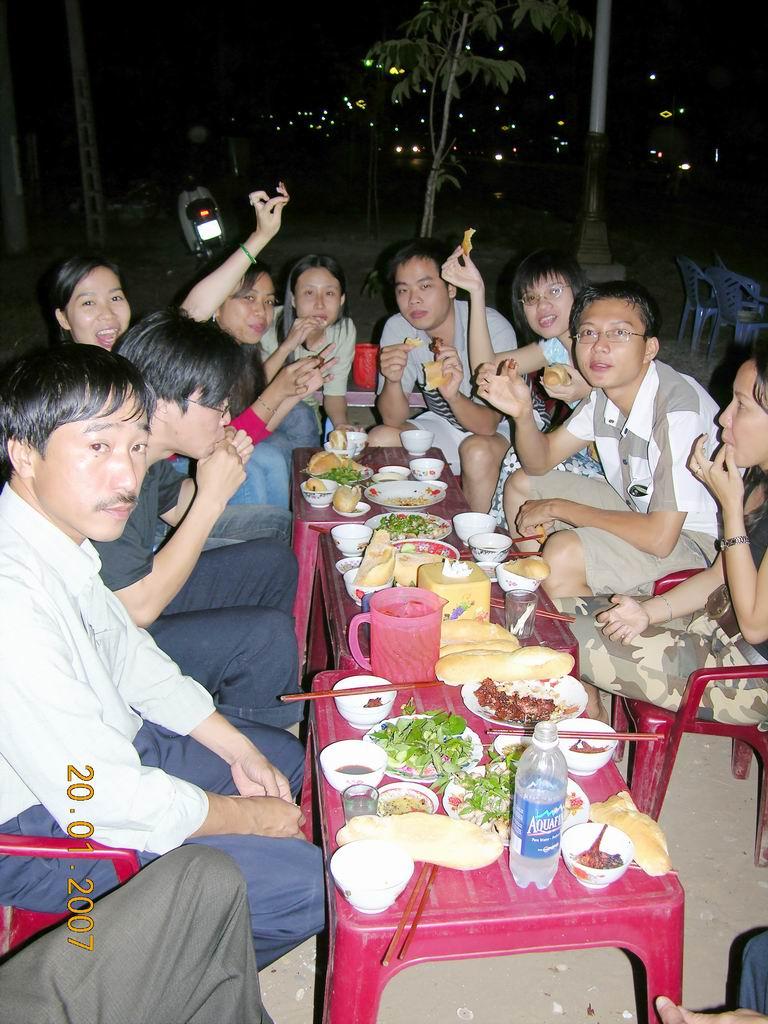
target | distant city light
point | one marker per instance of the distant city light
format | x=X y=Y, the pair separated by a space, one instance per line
x=360 y=103
x=717 y=155
x=652 y=76
x=368 y=63
x=396 y=71
x=560 y=124
x=501 y=48
x=684 y=167
x=497 y=108
x=461 y=115
x=398 y=149
x=551 y=95
x=415 y=149
x=665 y=114
x=497 y=156
x=681 y=110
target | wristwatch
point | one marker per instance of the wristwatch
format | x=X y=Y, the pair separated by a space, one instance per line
x=723 y=544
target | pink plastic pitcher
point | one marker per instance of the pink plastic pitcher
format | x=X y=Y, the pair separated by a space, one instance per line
x=405 y=634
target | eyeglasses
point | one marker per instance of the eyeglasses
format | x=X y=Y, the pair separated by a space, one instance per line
x=550 y=294
x=617 y=334
x=222 y=410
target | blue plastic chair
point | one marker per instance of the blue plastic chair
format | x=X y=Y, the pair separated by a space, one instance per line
x=700 y=302
x=740 y=305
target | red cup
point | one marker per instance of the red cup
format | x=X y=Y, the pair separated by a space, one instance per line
x=365 y=365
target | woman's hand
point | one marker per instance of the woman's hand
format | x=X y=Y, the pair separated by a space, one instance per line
x=269 y=212
x=505 y=390
x=626 y=620
x=721 y=475
x=573 y=392
x=464 y=275
x=301 y=331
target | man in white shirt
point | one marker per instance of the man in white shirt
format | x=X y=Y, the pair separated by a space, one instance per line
x=650 y=516
x=473 y=437
x=88 y=695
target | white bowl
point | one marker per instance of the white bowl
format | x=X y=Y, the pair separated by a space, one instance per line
x=351 y=538
x=343 y=453
x=390 y=473
x=356 y=592
x=578 y=838
x=466 y=524
x=319 y=499
x=357 y=709
x=511 y=581
x=345 y=564
x=426 y=469
x=371 y=873
x=579 y=762
x=417 y=442
x=490 y=547
x=489 y=568
x=345 y=753
x=429 y=802
x=356 y=441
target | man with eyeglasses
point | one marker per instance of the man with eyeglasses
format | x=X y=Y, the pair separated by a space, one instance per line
x=650 y=516
x=473 y=437
x=224 y=615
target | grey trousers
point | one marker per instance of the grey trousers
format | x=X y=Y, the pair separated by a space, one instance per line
x=171 y=946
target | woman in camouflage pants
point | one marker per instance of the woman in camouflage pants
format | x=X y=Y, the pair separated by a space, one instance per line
x=647 y=649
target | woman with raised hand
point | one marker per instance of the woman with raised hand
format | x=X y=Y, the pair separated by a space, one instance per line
x=543 y=290
x=646 y=649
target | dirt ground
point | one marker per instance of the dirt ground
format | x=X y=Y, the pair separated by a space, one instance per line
x=709 y=817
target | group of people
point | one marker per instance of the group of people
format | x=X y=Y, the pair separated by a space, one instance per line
x=147 y=579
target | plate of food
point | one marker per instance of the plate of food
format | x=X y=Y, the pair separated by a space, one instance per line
x=339 y=468
x=483 y=795
x=406 y=494
x=525 y=701
x=410 y=526
x=426 y=547
x=405 y=798
x=429 y=747
x=362 y=508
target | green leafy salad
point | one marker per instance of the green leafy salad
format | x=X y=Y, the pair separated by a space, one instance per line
x=429 y=746
x=342 y=475
x=404 y=527
x=485 y=797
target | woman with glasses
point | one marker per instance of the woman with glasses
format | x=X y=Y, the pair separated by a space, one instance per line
x=543 y=290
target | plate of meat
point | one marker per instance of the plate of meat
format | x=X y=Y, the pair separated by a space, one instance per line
x=525 y=702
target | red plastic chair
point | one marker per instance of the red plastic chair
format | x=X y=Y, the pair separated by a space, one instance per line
x=18 y=925
x=653 y=762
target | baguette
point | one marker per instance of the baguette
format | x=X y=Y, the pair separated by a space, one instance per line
x=378 y=562
x=412 y=342
x=505 y=646
x=651 y=851
x=524 y=663
x=345 y=499
x=316 y=486
x=338 y=439
x=556 y=376
x=533 y=568
x=434 y=838
x=434 y=377
x=322 y=462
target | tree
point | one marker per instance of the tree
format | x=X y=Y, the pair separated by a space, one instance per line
x=441 y=49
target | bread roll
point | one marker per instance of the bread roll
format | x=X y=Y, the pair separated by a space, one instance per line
x=533 y=568
x=651 y=851
x=315 y=485
x=345 y=499
x=338 y=439
x=321 y=462
x=433 y=376
x=434 y=838
x=378 y=564
x=461 y=630
x=556 y=375
x=407 y=566
x=466 y=242
x=412 y=342
x=524 y=663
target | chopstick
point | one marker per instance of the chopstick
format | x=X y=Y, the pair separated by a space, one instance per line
x=355 y=690
x=405 y=914
x=417 y=915
x=498 y=602
x=426 y=878
x=521 y=730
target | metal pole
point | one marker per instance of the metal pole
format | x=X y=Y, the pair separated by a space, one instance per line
x=11 y=186
x=592 y=232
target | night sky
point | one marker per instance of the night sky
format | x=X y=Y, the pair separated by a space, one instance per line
x=237 y=70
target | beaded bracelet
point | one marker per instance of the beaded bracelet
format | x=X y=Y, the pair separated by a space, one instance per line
x=250 y=256
x=669 y=606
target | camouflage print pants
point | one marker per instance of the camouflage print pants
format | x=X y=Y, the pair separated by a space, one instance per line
x=655 y=666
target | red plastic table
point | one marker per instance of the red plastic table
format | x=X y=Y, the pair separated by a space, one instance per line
x=483 y=913
x=310 y=523
x=330 y=617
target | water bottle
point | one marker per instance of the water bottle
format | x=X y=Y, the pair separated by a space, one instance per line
x=537 y=810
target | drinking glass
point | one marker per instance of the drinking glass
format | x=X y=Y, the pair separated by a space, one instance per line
x=520 y=612
x=359 y=799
